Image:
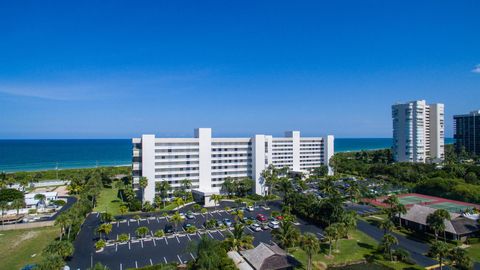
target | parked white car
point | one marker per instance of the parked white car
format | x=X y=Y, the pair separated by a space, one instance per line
x=274 y=224
x=250 y=208
x=255 y=227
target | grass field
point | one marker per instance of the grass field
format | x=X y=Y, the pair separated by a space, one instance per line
x=474 y=252
x=21 y=247
x=355 y=249
x=108 y=201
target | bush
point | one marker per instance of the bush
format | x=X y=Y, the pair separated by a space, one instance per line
x=159 y=233
x=192 y=229
x=123 y=237
x=32 y=211
x=100 y=244
x=255 y=197
x=135 y=205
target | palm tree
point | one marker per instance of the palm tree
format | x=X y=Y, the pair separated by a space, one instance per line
x=215 y=198
x=176 y=219
x=400 y=209
x=228 y=185
x=439 y=250
x=186 y=185
x=40 y=197
x=287 y=235
x=311 y=246
x=163 y=187
x=204 y=211
x=104 y=228
x=61 y=221
x=445 y=216
x=436 y=223
x=142 y=231
x=387 y=226
x=239 y=240
x=459 y=257
x=349 y=221
x=353 y=190
x=17 y=204
x=331 y=234
x=3 y=207
x=123 y=209
x=179 y=202
x=388 y=241
x=270 y=174
x=196 y=207
x=284 y=186
x=143 y=182
x=62 y=248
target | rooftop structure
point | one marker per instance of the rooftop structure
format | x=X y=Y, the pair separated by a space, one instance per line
x=207 y=161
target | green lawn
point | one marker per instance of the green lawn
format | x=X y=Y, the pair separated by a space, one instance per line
x=355 y=249
x=21 y=247
x=474 y=252
x=108 y=201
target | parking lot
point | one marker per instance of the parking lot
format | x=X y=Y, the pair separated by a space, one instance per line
x=171 y=248
x=177 y=247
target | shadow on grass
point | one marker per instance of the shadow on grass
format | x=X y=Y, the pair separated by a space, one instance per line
x=365 y=245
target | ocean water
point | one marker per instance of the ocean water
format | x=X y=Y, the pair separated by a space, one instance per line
x=30 y=155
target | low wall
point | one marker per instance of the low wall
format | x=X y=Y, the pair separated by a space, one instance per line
x=30 y=225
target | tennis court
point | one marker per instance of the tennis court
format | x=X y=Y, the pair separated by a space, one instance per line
x=412 y=199
x=450 y=206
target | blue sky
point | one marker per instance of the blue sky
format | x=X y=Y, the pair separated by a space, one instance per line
x=116 y=69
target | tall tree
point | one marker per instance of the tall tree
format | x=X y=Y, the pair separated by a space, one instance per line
x=270 y=175
x=238 y=240
x=287 y=235
x=311 y=245
x=332 y=235
x=163 y=188
x=439 y=250
x=460 y=259
x=387 y=243
x=143 y=183
x=176 y=219
x=215 y=198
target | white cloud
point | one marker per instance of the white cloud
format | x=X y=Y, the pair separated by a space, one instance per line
x=476 y=69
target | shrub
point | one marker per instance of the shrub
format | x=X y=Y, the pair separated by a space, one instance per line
x=159 y=233
x=58 y=202
x=192 y=229
x=135 y=205
x=123 y=237
x=100 y=244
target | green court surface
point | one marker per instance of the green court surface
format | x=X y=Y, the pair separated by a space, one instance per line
x=450 y=207
x=413 y=200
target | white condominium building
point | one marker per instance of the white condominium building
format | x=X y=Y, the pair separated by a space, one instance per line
x=208 y=161
x=418 y=132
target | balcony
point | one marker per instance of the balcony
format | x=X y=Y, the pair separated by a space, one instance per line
x=136 y=166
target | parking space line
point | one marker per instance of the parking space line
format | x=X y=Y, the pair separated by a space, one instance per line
x=249 y=229
x=221 y=234
x=121 y=267
x=128 y=245
x=177 y=239
x=189 y=237
x=158 y=221
x=179 y=258
x=210 y=234
x=136 y=264
x=166 y=241
x=193 y=257
x=151 y=263
x=165 y=259
x=141 y=241
x=154 y=244
x=116 y=247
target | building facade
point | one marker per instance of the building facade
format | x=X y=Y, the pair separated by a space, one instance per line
x=208 y=161
x=418 y=132
x=467 y=132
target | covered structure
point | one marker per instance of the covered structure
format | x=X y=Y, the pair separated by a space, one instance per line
x=270 y=257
